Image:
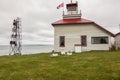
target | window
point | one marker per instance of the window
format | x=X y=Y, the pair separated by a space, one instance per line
x=83 y=40
x=62 y=41
x=72 y=8
x=99 y=40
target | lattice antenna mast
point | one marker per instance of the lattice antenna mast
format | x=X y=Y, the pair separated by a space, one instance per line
x=16 y=37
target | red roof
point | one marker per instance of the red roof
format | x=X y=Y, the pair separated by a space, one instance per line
x=72 y=21
x=80 y=21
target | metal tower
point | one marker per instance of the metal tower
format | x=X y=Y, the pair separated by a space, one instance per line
x=16 y=38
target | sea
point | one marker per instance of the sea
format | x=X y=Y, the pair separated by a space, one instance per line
x=27 y=49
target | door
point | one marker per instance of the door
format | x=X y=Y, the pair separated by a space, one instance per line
x=78 y=48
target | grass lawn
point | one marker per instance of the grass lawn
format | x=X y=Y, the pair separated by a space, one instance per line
x=95 y=65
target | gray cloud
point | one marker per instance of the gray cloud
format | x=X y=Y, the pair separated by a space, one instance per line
x=37 y=16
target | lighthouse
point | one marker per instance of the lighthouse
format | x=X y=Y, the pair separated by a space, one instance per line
x=76 y=34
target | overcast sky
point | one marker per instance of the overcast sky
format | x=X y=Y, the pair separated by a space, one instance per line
x=37 y=16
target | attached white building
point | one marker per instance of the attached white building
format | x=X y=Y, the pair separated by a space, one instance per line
x=74 y=33
x=117 y=40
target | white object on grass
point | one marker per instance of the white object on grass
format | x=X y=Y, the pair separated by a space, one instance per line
x=54 y=55
x=68 y=53
x=62 y=52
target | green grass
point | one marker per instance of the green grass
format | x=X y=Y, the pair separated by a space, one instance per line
x=94 y=65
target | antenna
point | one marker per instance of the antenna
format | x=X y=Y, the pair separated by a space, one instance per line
x=63 y=12
x=16 y=37
x=80 y=14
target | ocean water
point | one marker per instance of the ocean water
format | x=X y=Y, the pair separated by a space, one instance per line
x=27 y=49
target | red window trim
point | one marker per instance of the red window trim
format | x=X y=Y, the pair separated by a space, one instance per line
x=77 y=45
x=59 y=41
x=86 y=40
